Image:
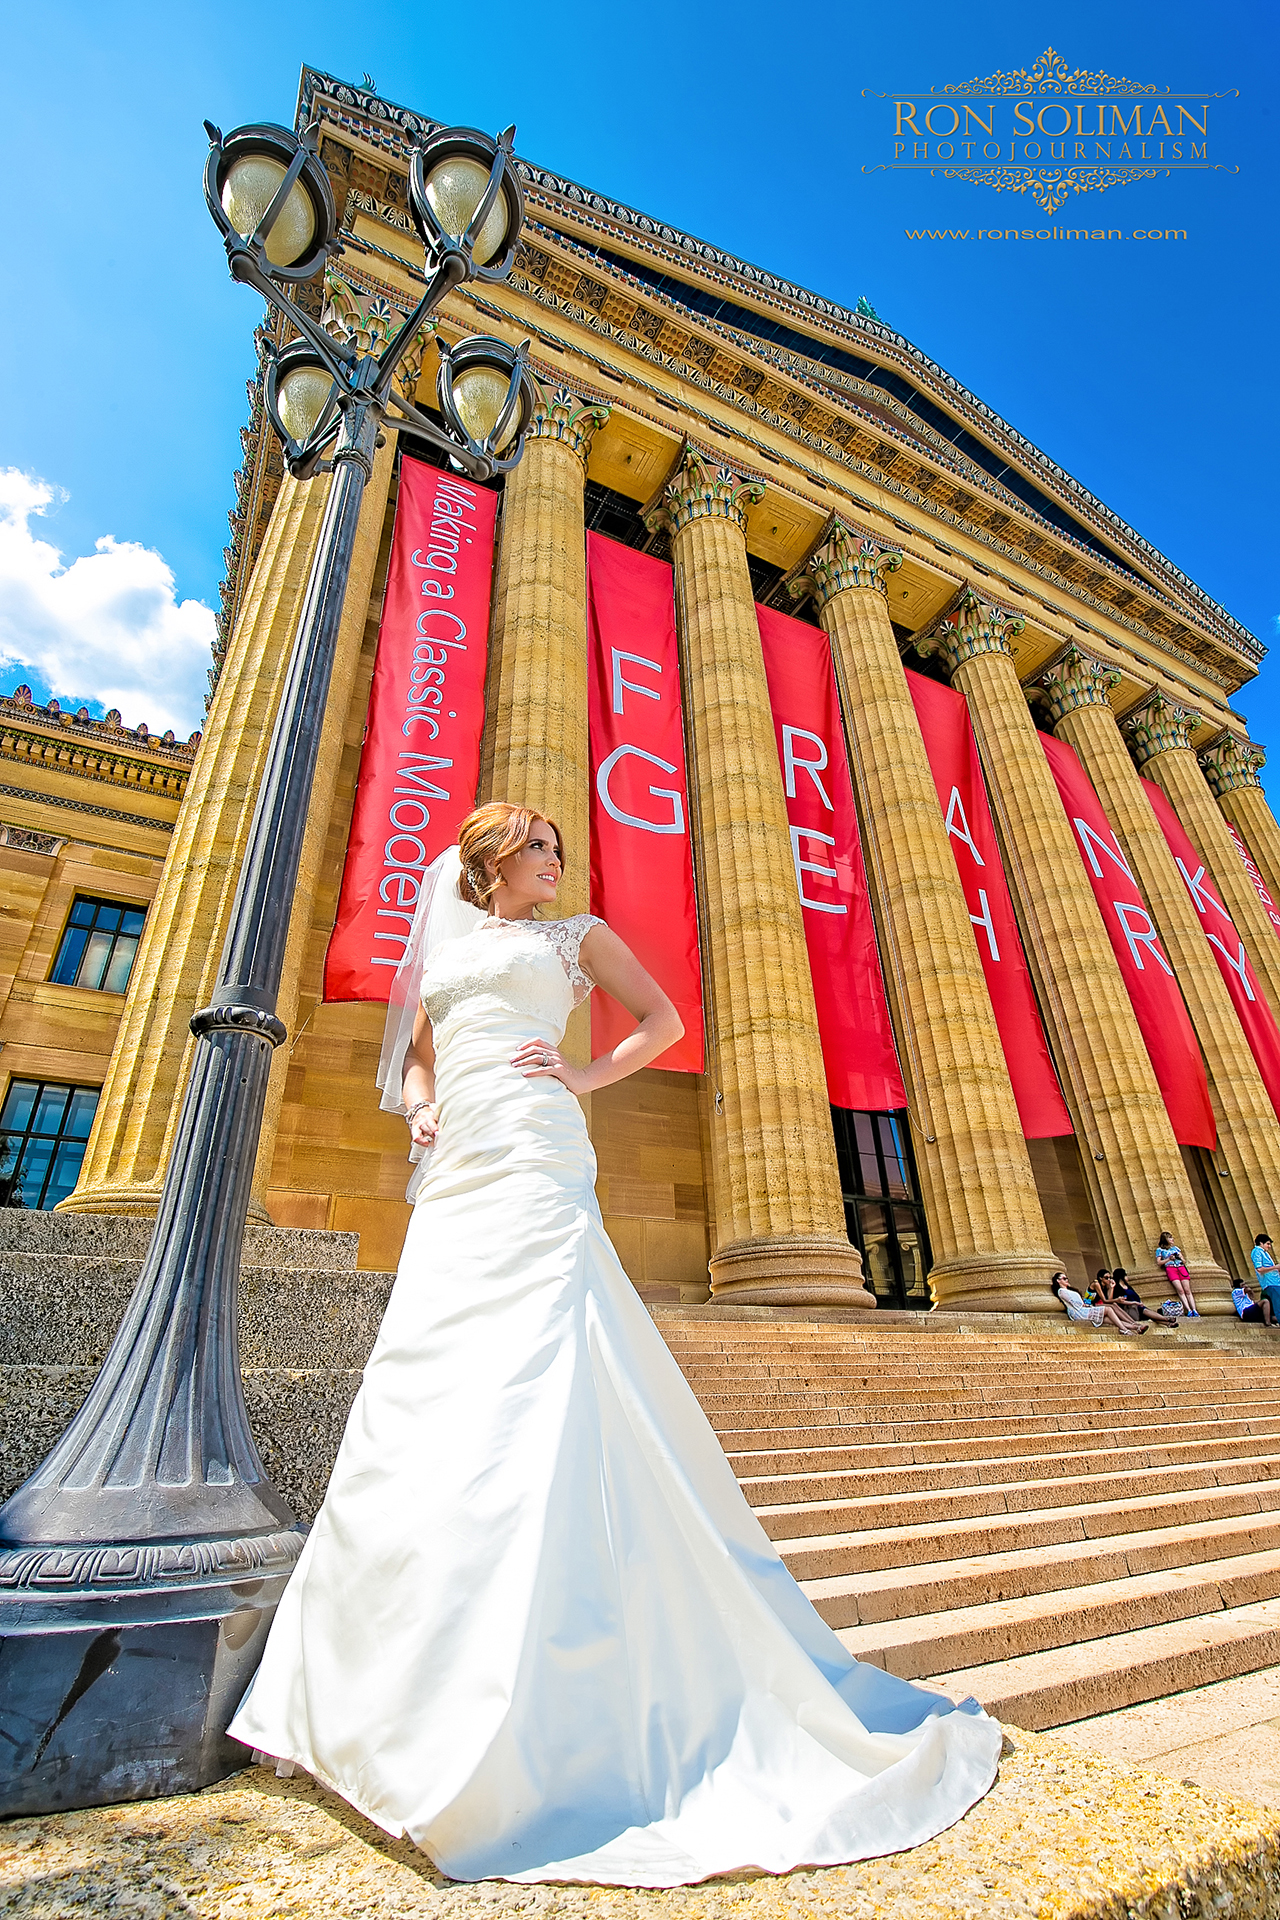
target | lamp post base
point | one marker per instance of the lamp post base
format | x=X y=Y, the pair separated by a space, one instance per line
x=120 y=1667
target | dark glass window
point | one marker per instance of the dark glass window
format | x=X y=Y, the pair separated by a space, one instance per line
x=98 y=944
x=882 y=1209
x=43 y=1130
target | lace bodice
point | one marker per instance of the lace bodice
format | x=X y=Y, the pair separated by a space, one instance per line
x=529 y=967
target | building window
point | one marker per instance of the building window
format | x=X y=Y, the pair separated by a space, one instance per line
x=43 y=1130
x=882 y=1209
x=98 y=944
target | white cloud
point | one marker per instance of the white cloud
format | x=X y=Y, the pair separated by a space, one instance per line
x=107 y=628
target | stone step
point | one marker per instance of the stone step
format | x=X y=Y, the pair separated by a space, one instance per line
x=935 y=1586
x=834 y=1448
x=800 y=1519
x=805 y=1487
x=1040 y=1690
x=1003 y=1630
x=748 y=1435
x=875 y=1409
x=828 y=1556
x=64 y=1312
x=119 y=1237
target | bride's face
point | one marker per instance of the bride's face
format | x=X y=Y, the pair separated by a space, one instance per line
x=531 y=875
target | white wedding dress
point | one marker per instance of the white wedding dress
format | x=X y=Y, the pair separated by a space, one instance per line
x=535 y=1625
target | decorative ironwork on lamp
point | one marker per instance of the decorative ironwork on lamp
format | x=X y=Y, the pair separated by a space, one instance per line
x=152 y=1528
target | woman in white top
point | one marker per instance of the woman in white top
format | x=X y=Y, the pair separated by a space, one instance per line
x=1078 y=1308
x=536 y=1626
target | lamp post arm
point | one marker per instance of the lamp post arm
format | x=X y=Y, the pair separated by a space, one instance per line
x=449 y=274
x=338 y=359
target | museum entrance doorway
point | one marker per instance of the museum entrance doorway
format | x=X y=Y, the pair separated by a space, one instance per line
x=882 y=1209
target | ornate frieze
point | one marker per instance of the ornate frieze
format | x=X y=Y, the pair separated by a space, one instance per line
x=701 y=492
x=971 y=627
x=561 y=415
x=1157 y=726
x=1231 y=763
x=846 y=560
x=1074 y=680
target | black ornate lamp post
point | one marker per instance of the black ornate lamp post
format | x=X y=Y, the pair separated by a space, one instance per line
x=140 y=1565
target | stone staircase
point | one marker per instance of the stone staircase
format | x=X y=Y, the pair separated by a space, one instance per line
x=1058 y=1522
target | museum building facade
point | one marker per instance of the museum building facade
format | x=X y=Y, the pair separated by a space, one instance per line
x=1002 y=999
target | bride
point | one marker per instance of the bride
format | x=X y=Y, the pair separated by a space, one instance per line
x=535 y=1625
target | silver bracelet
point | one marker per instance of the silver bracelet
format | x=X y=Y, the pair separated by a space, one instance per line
x=409 y=1117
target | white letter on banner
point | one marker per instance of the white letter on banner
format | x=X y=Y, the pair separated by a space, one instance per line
x=811 y=866
x=956 y=806
x=637 y=660
x=983 y=919
x=1137 y=937
x=1087 y=834
x=1238 y=964
x=1200 y=893
x=676 y=822
x=791 y=762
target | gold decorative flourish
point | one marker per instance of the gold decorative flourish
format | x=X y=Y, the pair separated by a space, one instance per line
x=1049 y=186
x=1050 y=74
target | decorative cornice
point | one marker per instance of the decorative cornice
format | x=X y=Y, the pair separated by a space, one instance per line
x=1231 y=763
x=82 y=806
x=1074 y=680
x=394 y=130
x=846 y=560
x=702 y=492
x=1157 y=726
x=970 y=627
x=563 y=416
x=95 y=761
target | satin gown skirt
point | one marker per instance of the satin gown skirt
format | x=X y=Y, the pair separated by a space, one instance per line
x=536 y=1626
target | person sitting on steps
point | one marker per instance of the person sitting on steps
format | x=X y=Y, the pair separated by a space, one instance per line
x=1248 y=1308
x=1123 y=1294
x=1175 y=1267
x=1102 y=1313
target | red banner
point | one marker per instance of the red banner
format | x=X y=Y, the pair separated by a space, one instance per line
x=962 y=795
x=853 y=1015
x=421 y=757
x=1234 y=965
x=641 y=867
x=1254 y=872
x=1159 y=1006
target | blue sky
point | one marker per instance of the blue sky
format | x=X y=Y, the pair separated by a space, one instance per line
x=1146 y=369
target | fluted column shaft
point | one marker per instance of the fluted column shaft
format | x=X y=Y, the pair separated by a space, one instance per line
x=779 y=1234
x=177 y=960
x=540 y=741
x=1137 y=1180
x=986 y=1227
x=1160 y=740
x=1248 y=1131
x=1232 y=768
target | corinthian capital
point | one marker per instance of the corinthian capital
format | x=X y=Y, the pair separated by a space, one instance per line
x=846 y=560
x=701 y=492
x=367 y=322
x=1230 y=763
x=561 y=415
x=1157 y=726
x=1074 y=680
x=972 y=626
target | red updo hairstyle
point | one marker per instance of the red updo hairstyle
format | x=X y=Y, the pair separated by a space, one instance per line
x=491 y=833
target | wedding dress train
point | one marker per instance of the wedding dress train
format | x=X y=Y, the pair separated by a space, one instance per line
x=535 y=1625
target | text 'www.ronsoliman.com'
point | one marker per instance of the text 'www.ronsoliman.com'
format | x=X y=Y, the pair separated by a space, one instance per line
x=1045 y=233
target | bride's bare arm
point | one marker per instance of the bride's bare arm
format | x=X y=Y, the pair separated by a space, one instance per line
x=612 y=965
x=419 y=1081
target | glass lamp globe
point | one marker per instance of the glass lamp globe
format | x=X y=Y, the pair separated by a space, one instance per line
x=479 y=395
x=455 y=189
x=251 y=185
x=301 y=397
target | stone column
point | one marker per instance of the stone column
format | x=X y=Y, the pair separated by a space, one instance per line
x=540 y=748
x=1137 y=1179
x=1232 y=768
x=990 y=1244
x=1160 y=740
x=1248 y=1131
x=177 y=961
x=778 y=1228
